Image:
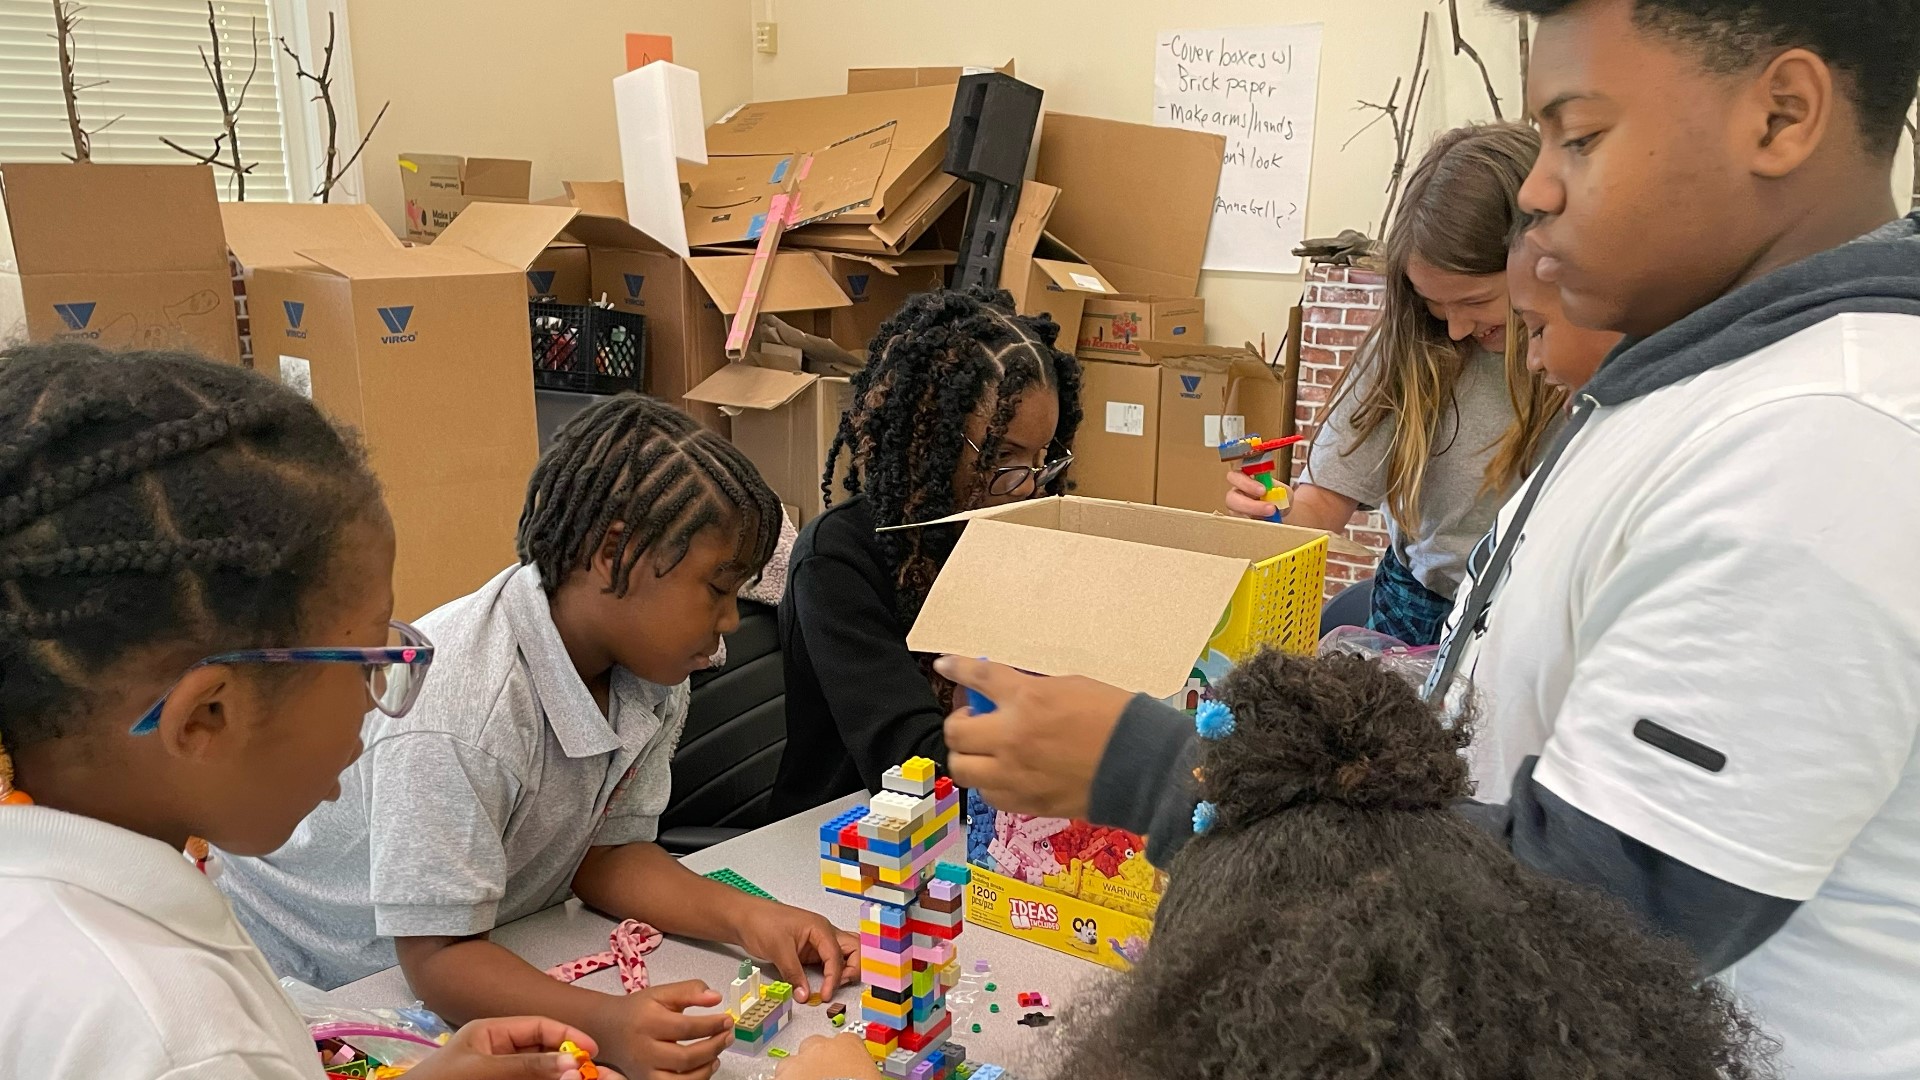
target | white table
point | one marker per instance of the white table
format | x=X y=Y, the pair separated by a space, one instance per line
x=784 y=859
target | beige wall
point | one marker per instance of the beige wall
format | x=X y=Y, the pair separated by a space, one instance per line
x=507 y=78
x=1096 y=57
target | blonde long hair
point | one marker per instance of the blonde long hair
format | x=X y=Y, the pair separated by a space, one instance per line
x=1458 y=210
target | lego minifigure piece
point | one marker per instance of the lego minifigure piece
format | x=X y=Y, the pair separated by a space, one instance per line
x=976 y=1029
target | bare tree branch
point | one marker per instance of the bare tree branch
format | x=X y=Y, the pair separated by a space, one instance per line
x=1462 y=45
x=1403 y=125
x=1386 y=112
x=1526 y=61
x=66 y=16
x=332 y=168
x=216 y=69
x=1913 y=132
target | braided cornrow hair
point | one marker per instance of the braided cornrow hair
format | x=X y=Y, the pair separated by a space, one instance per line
x=641 y=464
x=931 y=367
x=153 y=499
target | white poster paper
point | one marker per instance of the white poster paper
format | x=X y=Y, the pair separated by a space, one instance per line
x=1257 y=86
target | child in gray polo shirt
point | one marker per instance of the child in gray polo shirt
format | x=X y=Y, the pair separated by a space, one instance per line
x=536 y=763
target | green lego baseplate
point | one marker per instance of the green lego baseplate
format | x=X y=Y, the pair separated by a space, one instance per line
x=726 y=876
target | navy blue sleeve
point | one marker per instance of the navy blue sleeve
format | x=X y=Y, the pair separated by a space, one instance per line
x=1145 y=780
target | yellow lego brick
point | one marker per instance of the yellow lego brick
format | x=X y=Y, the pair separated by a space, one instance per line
x=917 y=769
x=869 y=966
x=890 y=1008
x=881 y=1050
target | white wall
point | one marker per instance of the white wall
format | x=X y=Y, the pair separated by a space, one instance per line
x=507 y=78
x=1096 y=57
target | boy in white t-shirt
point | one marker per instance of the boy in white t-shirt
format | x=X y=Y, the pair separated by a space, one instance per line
x=196 y=583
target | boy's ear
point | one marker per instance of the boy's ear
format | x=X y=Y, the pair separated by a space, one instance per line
x=602 y=563
x=198 y=721
x=1794 y=98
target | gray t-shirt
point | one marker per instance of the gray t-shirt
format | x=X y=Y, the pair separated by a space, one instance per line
x=1453 y=513
x=475 y=808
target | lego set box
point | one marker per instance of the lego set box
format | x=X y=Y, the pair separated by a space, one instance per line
x=1151 y=599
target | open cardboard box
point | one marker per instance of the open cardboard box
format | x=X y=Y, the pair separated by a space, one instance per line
x=126 y=256
x=784 y=420
x=1044 y=275
x=426 y=351
x=869 y=80
x=438 y=186
x=1154 y=423
x=1150 y=599
x=878 y=285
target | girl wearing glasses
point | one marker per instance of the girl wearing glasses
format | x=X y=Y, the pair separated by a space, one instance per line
x=963 y=404
x=195 y=614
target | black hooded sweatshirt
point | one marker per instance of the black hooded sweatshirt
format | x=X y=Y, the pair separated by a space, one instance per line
x=1145 y=779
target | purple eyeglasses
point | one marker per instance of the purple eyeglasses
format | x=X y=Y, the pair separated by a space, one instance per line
x=394 y=674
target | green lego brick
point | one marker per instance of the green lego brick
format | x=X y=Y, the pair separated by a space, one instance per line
x=775 y=1052
x=727 y=877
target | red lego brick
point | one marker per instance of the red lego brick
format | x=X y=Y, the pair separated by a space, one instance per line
x=942 y=787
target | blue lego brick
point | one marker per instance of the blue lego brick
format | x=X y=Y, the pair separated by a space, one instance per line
x=988 y=1072
x=954 y=872
x=883 y=847
x=875 y=1016
x=830 y=832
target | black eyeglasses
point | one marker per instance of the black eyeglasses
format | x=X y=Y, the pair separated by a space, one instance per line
x=1007 y=479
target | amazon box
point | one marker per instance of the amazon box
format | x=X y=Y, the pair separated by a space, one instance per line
x=1154 y=424
x=426 y=351
x=1113 y=327
x=878 y=285
x=438 y=186
x=125 y=256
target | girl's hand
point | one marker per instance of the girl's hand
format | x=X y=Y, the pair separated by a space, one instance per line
x=1244 y=497
x=791 y=938
x=649 y=1033
x=822 y=1058
x=514 y=1048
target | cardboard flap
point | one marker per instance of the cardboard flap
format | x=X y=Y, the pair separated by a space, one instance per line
x=370 y=263
x=749 y=386
x=1127 y=614
x=1181 y=354
x=264 y=235
x=497 y=178
x=1073 y=277
x=1145 y=228
x=606 y=198
x=510 y=233
x=798 y=282
x=844 y=176
x=802 y=124
x=77 y=219
x=613 y=234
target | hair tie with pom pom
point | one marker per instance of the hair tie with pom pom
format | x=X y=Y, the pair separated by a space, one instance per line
x=1213 y=720
x=1203 y=816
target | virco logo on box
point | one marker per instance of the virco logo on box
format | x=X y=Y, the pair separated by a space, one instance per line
x=296 y=314
x=397 y=319
x=76 y=317
x=541 y=280
x=634 y=282
x=857 y=285
x=1190 y=386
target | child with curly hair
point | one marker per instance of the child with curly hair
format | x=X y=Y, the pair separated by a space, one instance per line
x=963 y=404
x=1336 y=917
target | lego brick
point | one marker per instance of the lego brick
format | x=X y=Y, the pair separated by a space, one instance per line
x=886 y=914
x=831 y=831
x=897 y=997
x=942 y=890
x=958 y=873
x=919 y=768
x=895 y=779
x=892 y=804
x=731 y=879
x=881 y=943
x=897 y=1065
x=942 y=787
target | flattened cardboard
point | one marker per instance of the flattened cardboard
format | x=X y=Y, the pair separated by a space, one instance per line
x=1043 y=274
x=878 y=286
x=730 y=205
x=798 y=283
x=425 y=351
x=870 y=80
x=1136 y=200
x=902 y=230
x=1125 y=594
x=122 y=255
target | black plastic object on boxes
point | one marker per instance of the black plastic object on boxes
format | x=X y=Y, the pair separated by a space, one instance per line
x=994 y=116
x=587 y=349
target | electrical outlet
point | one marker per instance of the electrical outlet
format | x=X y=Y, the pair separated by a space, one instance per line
x=766 y=37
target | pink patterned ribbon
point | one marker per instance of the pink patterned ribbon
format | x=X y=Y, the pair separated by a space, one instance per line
x=630 y=943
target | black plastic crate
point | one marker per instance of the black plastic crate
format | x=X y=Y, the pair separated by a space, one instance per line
x=587 y=349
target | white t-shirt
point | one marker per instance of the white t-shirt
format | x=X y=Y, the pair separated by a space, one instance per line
x=1736 y=558
x=119 y=959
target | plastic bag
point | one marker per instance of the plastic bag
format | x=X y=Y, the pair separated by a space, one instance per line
x=400 y=1038
x=1410 y=662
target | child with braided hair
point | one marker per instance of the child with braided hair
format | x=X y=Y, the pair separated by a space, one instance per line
x=195 y=603
x=962 y=404
x=538 y=764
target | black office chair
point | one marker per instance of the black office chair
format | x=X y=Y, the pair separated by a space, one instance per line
x=724 y=770
x=1349 y=607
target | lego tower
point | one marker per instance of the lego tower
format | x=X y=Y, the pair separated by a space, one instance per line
x=886 y=855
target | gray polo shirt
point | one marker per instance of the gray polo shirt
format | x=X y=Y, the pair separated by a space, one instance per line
x=473 y=810
x=1453 y=513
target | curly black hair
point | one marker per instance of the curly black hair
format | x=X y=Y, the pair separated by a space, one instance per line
x=1875 y=43
x=153 y=500
x=1340 y=920
x=640 y=464
x=932 y=366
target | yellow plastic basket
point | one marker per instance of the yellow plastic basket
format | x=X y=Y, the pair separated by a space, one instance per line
x=1277 y=604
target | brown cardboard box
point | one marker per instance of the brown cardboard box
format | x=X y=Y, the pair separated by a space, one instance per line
x=438 y=186
x=868 y=80
x=903 y=229
x=772 y=130
x=123 y=255
x=269 y=236
x=1123 y=593
x=1145 y=224
x=561 y=273
x=1154 y=424
x=424 y=350
x=1113 y=327
x=784 y=421
x=878 y=285
x=686 y=302
x=1045 y=276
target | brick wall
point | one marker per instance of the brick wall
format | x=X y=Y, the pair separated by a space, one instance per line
x=1341 y=303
